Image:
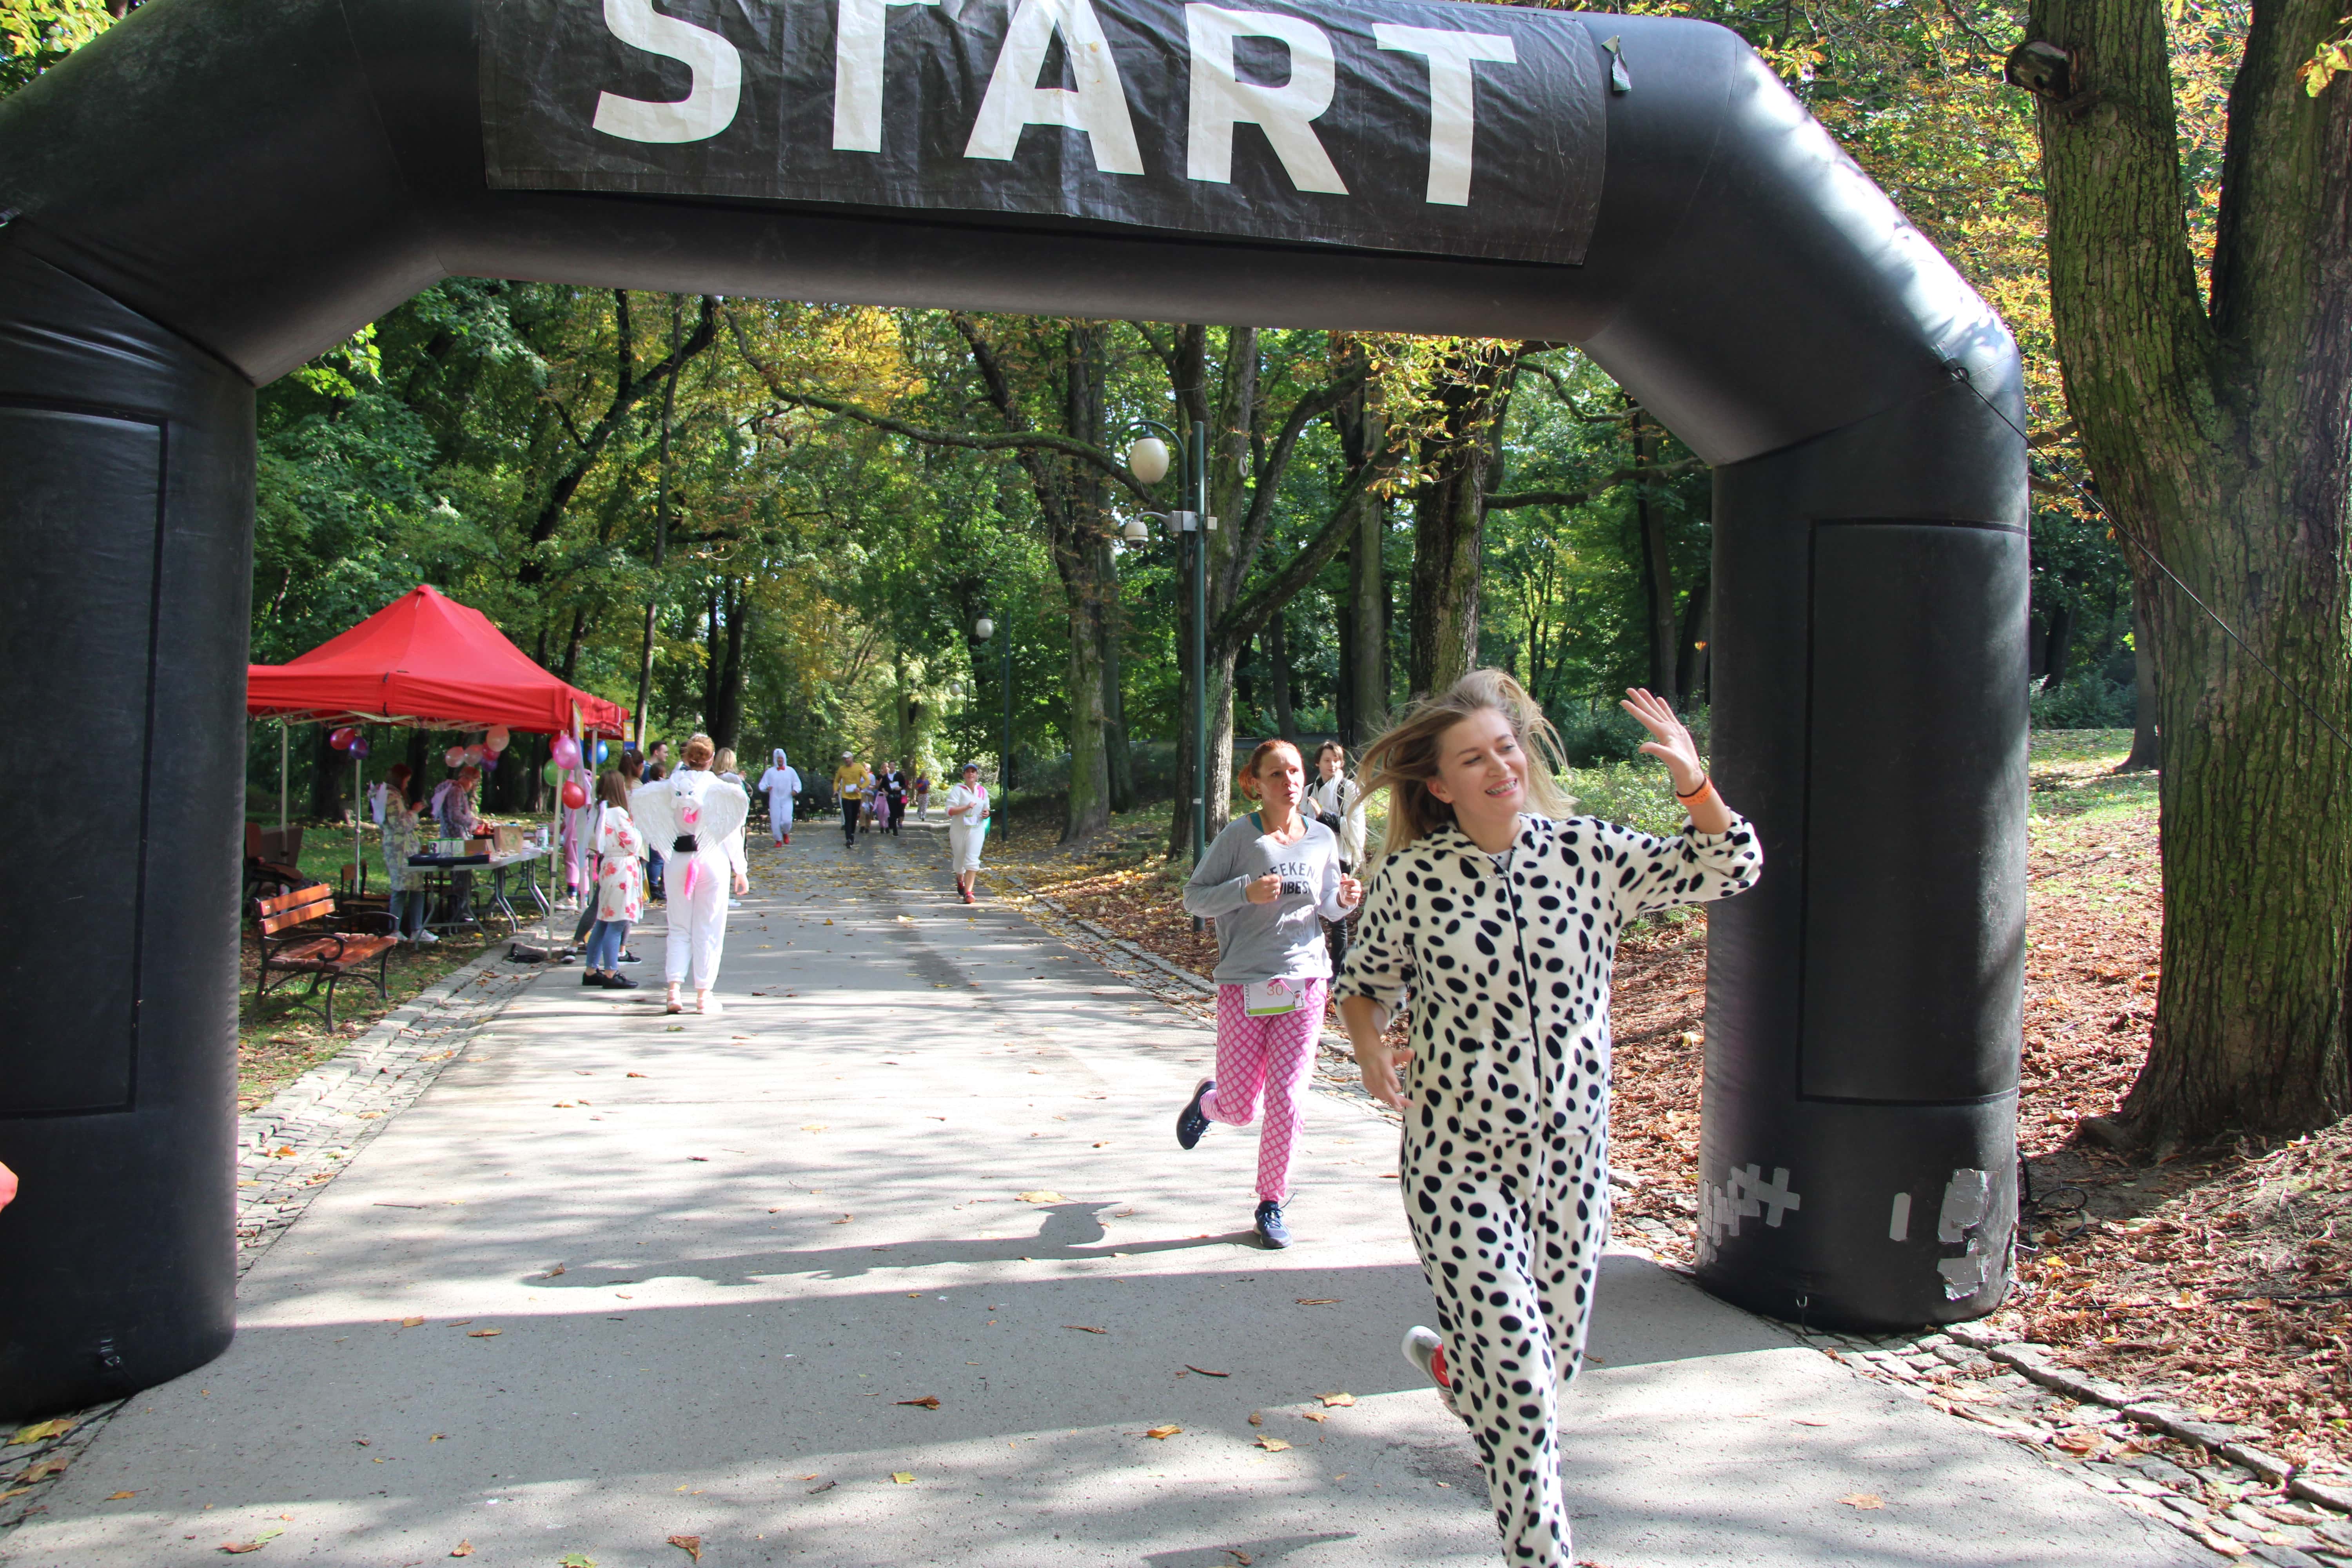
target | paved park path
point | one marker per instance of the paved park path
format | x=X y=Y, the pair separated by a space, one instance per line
x=618 y=1278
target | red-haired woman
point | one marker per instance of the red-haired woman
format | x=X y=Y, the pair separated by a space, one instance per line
x=1269 y=881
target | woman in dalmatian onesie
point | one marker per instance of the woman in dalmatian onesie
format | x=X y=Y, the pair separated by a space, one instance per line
x=1497 y=913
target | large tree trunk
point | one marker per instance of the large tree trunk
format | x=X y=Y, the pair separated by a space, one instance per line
x=1343 y=689
x=2146 y=750
x=1365 y=675
x=1220 y=742
x=2058 y=647
x=1450 y=514
x=727 y=706
x=1274 y=646
x=1112 y=628
x=2220 y=441
x=1657 y=567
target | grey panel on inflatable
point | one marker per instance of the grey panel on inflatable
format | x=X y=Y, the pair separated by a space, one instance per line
x=211 y=194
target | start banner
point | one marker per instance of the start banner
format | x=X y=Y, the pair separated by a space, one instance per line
x=1447 y=129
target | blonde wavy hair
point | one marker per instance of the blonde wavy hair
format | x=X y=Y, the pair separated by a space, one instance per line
x=1404 y=760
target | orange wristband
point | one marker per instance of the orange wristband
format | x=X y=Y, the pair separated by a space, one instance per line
x=1706 y=782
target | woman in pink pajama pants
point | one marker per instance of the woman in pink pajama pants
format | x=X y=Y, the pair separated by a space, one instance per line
x=1269 y=881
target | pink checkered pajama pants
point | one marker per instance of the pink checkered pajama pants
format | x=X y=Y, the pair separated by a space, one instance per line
x=1266 y=1061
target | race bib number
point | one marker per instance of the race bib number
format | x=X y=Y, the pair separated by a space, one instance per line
x=1269 y=998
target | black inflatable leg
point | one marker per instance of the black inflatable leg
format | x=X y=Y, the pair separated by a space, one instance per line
x=125 y=566
x=1858 y=1159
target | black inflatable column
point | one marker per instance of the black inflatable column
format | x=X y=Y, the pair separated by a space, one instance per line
x=1858 y=1162
x=126 y=495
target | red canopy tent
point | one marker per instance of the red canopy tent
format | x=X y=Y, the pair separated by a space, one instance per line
x=424 y=661
x=428 y=661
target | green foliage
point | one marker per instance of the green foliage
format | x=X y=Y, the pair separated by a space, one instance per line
x=35 y=35
x=2090 y=700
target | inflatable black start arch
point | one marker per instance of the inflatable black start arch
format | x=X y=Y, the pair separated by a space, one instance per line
x=220 y=189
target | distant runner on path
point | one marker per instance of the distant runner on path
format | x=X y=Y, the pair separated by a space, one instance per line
x=1270 y=881
x=850 y=782
x=780 y=783
x=966 y=814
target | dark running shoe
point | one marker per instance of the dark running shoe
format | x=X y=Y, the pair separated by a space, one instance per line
x=1190 y=1122
x=590 y=977
x=1271 y=1230
x=628 y=957
x=619 y=983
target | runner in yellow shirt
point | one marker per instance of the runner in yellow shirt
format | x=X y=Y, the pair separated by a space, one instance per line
x=851 y=780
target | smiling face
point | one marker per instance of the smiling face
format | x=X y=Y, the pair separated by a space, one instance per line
x=1481 y=772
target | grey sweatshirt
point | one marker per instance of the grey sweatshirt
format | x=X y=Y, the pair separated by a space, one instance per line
x=1283 y=939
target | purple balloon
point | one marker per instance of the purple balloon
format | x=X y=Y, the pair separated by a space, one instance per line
x=357 y=748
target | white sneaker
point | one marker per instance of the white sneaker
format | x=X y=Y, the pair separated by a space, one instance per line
x=426 y=939
x=705 y=1002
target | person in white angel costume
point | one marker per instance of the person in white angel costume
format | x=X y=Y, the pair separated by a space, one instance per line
x=699 y=817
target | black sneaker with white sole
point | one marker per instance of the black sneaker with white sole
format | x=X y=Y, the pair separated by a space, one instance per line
x=1272 y=1229
x=1192 y=1121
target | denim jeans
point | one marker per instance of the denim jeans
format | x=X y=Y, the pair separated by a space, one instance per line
x=604 y=944
x=407 y=907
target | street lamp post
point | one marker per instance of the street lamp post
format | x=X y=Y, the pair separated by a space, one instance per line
x=1147 y=459
x=982 y=630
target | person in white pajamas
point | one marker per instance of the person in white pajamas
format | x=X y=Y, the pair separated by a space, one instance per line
x=780 y=783
x=967 y=829
x=700 y=816
x=1497 y=913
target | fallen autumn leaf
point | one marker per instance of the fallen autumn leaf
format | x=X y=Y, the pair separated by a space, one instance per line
x=1333 y=1400
x=1204 y=1371
x=928 y=1402
x=690 y=1544
x=1163 y=1433
x=118 y=1497
x=1318 y=1301
x=1864 y=1500
x=485 y=1333
x=1085 y=1329
x=1270 y=1443
x=463 y=1549
x=260 y=1539
x=904 y=1478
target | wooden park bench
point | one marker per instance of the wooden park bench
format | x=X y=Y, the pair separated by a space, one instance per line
x=295 y=939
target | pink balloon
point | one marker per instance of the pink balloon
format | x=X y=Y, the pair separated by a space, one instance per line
x=497 y=740
x=567 y=752
x=454 y=756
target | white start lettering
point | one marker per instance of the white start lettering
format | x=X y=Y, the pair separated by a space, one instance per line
x=1096 y=103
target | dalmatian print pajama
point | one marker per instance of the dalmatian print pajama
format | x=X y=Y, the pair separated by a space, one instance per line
x=1506 y=960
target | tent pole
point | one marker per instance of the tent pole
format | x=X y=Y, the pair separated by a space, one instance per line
x=359 y=793
x=285 y=750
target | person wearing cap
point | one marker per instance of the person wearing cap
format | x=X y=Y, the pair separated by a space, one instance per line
x=851 y=780
x=967 y=827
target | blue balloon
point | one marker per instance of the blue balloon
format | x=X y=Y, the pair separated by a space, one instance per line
x=603 y=751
